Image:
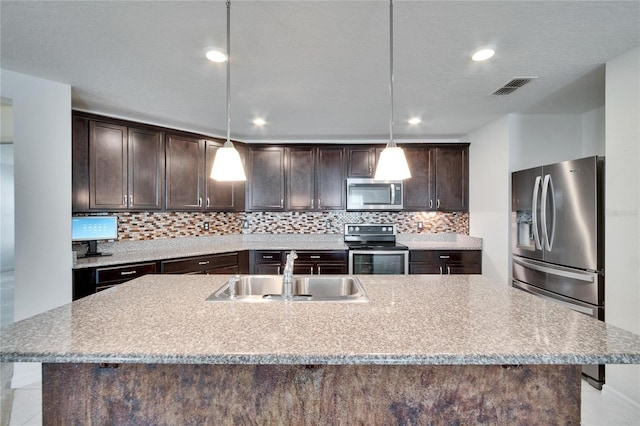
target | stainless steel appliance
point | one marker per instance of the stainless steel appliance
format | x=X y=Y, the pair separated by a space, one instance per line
x=557 y=227
x=369 y=194
x=373 y=250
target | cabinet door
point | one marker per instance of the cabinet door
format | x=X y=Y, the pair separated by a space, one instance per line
x=107 y=166
x=452 y=192
x=332 y=269
x=361 y=161
x=185 y=173
x=419 y=190
x=146 y=169
x=80 y=164
x=301 y=182
x=330 y=179
x=222 y=196
x=266 y=178
x=423 y=268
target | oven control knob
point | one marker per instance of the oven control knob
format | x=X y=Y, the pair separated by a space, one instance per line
x=384 y=229
x=357 y=228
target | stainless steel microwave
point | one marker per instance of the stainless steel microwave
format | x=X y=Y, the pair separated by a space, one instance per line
x=370 y=194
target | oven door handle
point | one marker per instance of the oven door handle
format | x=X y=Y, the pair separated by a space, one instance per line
x=392 y=188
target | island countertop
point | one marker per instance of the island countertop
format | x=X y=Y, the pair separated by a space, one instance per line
x=409 y=320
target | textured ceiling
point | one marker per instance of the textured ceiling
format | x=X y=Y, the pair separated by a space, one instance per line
x=319 y=70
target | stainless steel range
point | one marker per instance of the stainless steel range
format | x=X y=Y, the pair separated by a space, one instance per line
x=373 y=249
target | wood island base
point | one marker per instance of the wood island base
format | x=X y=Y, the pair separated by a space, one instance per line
x=167 y=394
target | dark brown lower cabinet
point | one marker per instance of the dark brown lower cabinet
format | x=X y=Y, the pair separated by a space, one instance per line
x=445 y=262
x=227 y=263
x=330 y=262
x=92 y=280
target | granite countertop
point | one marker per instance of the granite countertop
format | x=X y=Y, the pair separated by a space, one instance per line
x=171 y=248
x=411 y=320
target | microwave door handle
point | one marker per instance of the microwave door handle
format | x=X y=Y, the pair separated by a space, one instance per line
x=534 y=213
x=392 y=188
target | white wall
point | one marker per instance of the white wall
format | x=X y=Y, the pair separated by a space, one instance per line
x=593 y=132
x=489 y=189
x=42 y=175
x=537 y=139
x=622 y=217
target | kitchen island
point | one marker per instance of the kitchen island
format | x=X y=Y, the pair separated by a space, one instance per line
x=439 y=349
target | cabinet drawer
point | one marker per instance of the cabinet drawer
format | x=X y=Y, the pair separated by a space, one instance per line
x=198 y=264
x=322 y=256
x=448 y=256
x=123 y=273
x=268 y=256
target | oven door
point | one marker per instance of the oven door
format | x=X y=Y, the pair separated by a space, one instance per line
x=378 y=262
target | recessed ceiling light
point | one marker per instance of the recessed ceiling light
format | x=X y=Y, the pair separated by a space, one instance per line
x=216 y=56
x=482 y=54
x=414 y=120
x=259 y=122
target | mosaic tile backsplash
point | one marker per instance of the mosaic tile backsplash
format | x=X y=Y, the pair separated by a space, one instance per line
x=151 y=226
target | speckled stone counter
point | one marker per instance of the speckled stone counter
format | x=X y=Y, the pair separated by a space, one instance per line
x=424 y=349
x=143 y=251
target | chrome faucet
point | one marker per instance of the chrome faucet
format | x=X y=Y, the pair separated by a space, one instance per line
x=287 y=276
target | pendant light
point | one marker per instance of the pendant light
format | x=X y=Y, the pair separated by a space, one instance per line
x=227 y=165
x=392 y=164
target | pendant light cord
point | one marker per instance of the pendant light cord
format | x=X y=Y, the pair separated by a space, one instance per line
x=391 y=141
x=228 y=73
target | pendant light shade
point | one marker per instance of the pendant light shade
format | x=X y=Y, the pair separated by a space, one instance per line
x=392 y=164
x=227 y=164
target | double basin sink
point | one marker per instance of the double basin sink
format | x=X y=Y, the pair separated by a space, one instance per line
x=315 y=288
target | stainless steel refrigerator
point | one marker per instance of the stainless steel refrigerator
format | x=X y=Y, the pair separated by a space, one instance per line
x=557 y=224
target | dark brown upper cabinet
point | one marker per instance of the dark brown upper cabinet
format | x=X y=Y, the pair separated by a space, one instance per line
x=362 y=160
x=265 y=178
x=185 y=173
x=316 y=178
x=222 y=196
x=452 y=178
x=116 y=167
x=419 y=189
x=439 y=178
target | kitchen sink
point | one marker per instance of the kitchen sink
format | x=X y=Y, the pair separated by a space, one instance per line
x=265 y=288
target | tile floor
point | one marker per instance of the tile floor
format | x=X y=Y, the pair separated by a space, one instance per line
x=598 y=408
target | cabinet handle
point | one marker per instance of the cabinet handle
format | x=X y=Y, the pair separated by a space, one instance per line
x=442 y=256
x=281 y=202
x=130 y=200
x=267 y=257
x=311 y=270
x=438 y=203
x=312 y=203
x=448 y=270
x=314 y=257
x=440 y=269
x=124 y=200
x=199 y=201
x=208 y=202
x=123 y=273
x=203 y=263
x=278 y=269
x=431 y=203
x=319 y=273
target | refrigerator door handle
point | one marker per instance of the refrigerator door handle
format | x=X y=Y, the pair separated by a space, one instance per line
x=532 y=290
x=548 y=184
x=559 y=272
x=534 y=213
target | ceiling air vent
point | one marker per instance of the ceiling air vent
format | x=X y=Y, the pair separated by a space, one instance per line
x=512 y=85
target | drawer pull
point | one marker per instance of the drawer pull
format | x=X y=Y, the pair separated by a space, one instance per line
x=444 y=257
x=123 y=273
x=203 y=263
x=314 y=257
x=267 y=257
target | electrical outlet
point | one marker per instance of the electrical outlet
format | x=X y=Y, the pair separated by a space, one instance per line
x=420 y=226
x=245 y=224
x=205 y=226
